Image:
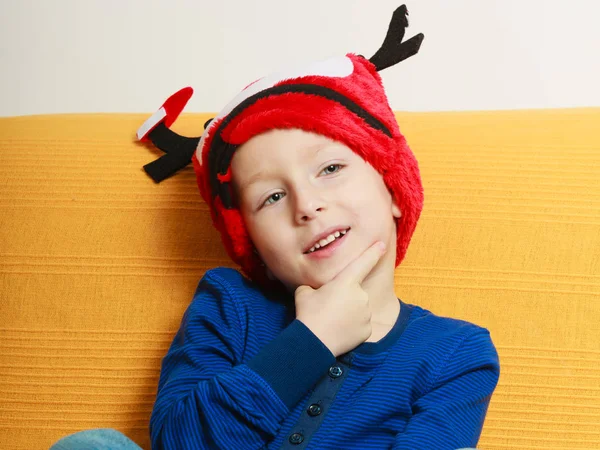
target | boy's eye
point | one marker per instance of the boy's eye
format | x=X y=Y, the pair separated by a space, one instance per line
x=275 y=197
x=334 y=168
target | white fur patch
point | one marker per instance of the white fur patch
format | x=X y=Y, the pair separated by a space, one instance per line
x=151 y=122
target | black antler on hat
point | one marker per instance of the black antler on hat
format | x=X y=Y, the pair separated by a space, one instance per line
x=393 y=50
x=179 y=149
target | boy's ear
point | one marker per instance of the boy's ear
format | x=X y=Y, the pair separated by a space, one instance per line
x=396 y=210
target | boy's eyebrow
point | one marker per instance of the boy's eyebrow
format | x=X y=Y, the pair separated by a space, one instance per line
x=268 y=174
x=256 y=177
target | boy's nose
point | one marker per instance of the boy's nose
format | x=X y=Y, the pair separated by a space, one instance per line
x=308 y=216
x=308 y=206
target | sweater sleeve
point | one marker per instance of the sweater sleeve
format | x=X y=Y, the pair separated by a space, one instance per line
x=451 y=413
x=207 y=398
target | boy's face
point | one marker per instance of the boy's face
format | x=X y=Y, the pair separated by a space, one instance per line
x=292 y=186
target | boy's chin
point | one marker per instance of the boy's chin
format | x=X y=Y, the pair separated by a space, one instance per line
x=314 y=280
x=318 y=282
x=291 y=286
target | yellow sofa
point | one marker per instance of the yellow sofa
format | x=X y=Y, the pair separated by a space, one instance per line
x=97 y=265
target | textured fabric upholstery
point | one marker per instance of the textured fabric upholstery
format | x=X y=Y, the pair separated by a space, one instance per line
x=97 y=265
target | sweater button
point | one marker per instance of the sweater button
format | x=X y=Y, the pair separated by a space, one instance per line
x=314 y=410
x=296 y=438
x=335 y=371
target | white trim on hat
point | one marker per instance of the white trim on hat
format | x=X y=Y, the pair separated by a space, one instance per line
x=151 y=122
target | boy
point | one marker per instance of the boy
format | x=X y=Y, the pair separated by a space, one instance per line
x=316 y=195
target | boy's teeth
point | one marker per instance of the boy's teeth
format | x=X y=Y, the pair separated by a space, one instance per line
x=328 y=240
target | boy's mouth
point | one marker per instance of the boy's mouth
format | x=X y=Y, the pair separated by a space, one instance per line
x=324 y=241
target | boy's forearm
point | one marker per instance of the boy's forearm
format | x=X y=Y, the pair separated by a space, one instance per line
x=272 y=382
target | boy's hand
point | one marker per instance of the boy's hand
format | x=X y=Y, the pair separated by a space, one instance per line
x=338 y=313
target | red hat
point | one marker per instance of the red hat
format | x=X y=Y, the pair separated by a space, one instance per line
x=342 y=98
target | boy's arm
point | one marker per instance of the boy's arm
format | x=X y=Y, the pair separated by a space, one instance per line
x=207 y=399
x=451 y=414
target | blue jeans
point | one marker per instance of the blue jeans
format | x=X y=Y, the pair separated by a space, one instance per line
x=96 y=439
x=101 y=439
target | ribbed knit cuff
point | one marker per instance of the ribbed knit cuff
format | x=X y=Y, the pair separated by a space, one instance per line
x=293 y=362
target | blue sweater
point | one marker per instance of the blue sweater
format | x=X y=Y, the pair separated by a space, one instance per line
x=242 y=373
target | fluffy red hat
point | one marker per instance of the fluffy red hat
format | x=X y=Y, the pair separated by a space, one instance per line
x=342 y=98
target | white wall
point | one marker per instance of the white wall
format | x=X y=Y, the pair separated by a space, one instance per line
x=129 y=55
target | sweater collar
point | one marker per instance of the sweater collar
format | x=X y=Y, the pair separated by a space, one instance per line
x=372 y=348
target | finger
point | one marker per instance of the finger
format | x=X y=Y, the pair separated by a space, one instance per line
x=358 y=269
x=301 y=289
